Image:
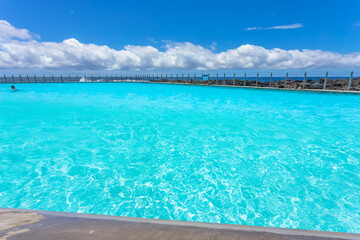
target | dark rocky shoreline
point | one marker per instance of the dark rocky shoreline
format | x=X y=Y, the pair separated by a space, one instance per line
x=332 y=84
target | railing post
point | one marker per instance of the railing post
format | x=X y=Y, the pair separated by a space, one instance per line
x=234 y=80
x=61 y=79
x=85 y=78
x=350 y=79
x=92 y=78
x=303 y=85
x=27 y=77
x=257 y=79
x=202 y=77
x=224 y=79
x=217 y=78
x=182 y=77
x=44 y=78
x=325 y=82
x=12 y=77
x=166 y=77
x=20 y=78
x=287 y=75
x=194 y=77
x=53 y=78
x=35 y=78
x=245 y=80
x=69 y=78
x=270 y=79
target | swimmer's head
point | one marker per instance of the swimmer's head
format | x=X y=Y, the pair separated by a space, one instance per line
x=13 y=87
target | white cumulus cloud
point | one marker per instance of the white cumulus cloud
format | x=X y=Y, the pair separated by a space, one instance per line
x=19 y=50
x=7 y=31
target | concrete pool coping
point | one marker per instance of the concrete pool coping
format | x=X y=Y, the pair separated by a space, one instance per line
x=37 y=224
x=210 y=85
x=265 y=88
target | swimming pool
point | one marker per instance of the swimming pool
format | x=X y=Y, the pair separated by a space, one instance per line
x=210 y=154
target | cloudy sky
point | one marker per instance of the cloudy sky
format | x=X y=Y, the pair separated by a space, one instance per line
x=117 y=36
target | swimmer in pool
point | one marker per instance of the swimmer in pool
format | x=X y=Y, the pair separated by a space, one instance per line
x=13 y=87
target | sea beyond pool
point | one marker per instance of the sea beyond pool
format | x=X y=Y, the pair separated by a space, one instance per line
x=256 y=157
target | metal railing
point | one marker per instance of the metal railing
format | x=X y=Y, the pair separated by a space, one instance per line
x=320 y=83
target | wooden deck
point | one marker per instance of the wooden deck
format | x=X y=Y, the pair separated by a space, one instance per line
x=28 y=224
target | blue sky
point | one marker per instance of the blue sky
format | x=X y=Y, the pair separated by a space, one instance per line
x=330 y=25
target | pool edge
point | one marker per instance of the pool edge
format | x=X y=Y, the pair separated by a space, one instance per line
x=209 y=85
x=263 y=88
x=186 y=224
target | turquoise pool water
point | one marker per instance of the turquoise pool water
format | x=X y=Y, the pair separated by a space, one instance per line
x=209 y=154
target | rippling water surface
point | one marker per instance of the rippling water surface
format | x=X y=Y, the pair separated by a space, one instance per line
x=209 y=154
